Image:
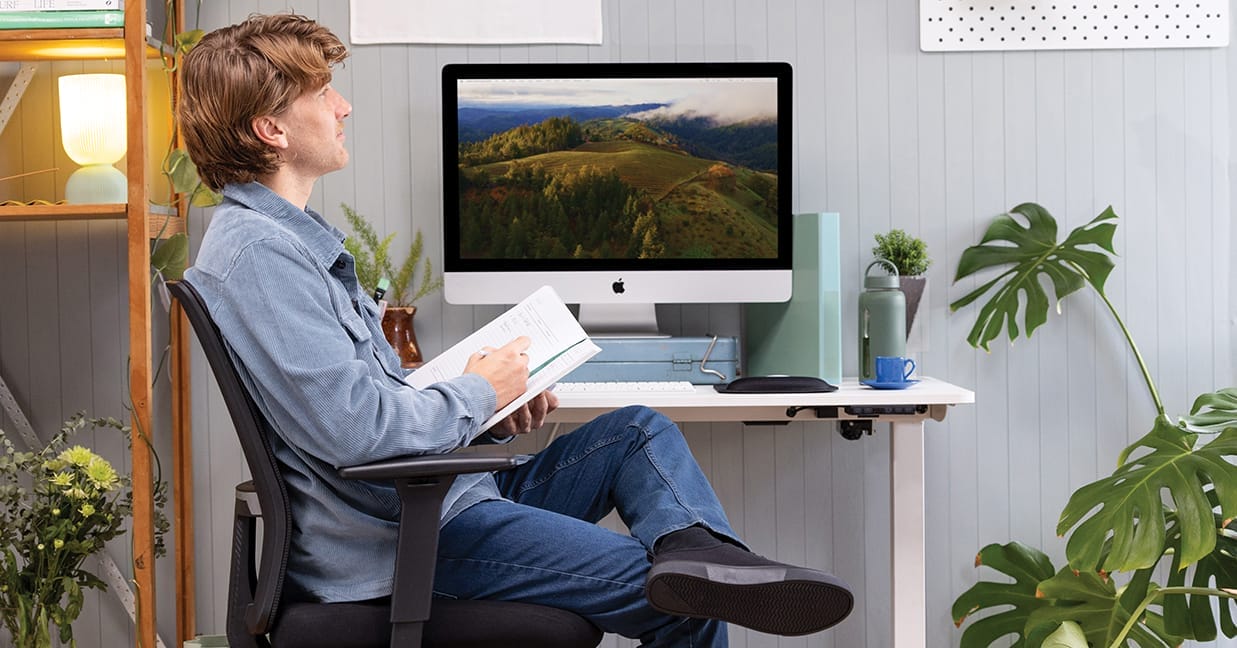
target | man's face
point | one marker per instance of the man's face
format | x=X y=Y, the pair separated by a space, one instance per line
x=315 y=127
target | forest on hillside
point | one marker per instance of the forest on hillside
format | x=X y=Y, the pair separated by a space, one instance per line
x=609 y=188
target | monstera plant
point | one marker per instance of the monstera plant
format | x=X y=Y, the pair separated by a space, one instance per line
x=1170 y=502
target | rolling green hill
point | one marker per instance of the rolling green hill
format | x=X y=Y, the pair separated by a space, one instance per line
x=642 y=166
x=634 y=194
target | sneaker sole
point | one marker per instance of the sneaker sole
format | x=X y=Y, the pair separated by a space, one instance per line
x=787 y=602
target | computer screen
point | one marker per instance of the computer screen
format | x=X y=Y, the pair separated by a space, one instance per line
x=622 y=185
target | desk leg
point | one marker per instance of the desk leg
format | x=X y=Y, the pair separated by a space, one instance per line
x=908 y=580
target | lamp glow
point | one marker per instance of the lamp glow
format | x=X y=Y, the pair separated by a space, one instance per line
x=93 y=132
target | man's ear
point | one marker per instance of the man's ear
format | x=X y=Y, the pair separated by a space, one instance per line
x=269 y=130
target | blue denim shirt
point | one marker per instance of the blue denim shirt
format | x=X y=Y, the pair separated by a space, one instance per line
x=284 y=293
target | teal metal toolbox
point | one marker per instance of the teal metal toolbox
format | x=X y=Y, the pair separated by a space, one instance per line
x=698 y=360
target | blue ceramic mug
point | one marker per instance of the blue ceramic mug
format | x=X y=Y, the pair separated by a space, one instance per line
x=894 y=369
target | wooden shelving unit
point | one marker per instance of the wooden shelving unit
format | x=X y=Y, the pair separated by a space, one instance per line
x=167 y=224
x=132 y=45
x=61 y=44
x=86 y=44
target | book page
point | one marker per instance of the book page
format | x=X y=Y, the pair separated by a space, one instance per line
x=559 y=344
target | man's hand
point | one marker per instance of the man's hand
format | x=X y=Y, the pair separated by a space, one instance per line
x=505 y=368
x=528 y=417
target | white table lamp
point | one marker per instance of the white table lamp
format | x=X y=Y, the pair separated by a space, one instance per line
x=93 y=131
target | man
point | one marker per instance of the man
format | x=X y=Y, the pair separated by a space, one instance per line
x=262 y=123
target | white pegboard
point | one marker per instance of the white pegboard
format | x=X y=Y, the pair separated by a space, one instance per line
x=971 y=25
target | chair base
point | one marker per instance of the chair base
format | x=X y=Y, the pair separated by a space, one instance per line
x=453 y=624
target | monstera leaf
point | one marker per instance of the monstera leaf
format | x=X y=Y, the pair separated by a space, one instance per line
x=1027 y=566
x=1191 y=616
x=1031 y=251
x=1093 y=602
x=1069 y=635
x=1131 y=508
x=1221 y=411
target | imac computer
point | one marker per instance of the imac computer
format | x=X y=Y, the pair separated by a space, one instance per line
x=622 y=185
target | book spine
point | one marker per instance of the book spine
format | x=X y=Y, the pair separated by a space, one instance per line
x=61 y=5
x=54 y=19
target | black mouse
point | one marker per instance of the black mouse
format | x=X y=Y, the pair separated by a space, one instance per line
x=775 y=385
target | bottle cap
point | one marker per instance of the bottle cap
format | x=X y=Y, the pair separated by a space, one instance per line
x=881 y=280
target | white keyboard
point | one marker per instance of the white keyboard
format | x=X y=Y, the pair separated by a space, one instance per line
x=624 y=387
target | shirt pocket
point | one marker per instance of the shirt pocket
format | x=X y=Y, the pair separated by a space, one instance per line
x=353 y=323
x=371 y=344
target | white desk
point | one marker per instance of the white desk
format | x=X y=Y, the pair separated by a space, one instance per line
x=905 y=411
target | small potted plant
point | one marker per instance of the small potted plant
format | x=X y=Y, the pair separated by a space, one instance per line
x=59 y=505
x=909 y=255
x=374 y=264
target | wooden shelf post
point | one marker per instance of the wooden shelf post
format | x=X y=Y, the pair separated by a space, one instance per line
x=139 y=325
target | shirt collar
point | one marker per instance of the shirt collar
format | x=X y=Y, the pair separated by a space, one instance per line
x=324 y=241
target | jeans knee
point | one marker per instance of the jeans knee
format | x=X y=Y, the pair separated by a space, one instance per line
x=636 y=425
x=646 y=420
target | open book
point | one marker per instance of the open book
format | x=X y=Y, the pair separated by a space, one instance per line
x=559 y=345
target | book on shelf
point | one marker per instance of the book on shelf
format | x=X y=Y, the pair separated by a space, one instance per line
x=61 y=5
x=60 y=19
x=559 y=345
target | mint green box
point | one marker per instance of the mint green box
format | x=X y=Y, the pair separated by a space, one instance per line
x=802 y=337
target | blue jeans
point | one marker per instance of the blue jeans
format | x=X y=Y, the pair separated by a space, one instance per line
x=545 y=547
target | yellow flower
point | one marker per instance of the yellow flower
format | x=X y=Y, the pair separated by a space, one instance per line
x=78 y=456
x=76 y=493
x=56 y=512
x=86 y=510
x=102 y=474
x=58 y=543
x=41 y=546
x=63 y=479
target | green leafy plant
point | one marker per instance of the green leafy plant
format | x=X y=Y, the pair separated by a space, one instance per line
x=1171 y=500
x=180 y=171
x=908 y=253
x=170 y=255
x=58 y=505
x=373 y=262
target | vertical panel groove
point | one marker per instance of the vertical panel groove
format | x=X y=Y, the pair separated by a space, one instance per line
x=885 y=134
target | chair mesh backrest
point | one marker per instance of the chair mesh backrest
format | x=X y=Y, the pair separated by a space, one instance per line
x=251 y=428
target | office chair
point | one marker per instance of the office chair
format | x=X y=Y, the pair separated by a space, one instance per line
x=258 y=618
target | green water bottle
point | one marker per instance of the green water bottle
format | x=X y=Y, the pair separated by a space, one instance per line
x=882 y=318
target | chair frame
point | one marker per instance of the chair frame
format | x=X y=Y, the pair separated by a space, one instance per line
x=255 y=591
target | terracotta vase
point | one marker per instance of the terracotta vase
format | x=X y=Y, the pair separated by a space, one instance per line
x=397 y=326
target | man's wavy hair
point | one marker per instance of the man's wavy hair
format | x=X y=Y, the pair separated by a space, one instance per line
x=235 y=74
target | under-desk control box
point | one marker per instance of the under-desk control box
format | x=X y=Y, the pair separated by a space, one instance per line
x=698 y=360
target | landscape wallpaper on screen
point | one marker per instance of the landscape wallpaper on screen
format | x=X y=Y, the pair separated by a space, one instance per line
x=639 y=168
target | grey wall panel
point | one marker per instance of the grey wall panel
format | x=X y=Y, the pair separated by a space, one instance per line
x=887 y=136
x=936 y=145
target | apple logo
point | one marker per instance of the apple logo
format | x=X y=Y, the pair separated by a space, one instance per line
x=617 y=287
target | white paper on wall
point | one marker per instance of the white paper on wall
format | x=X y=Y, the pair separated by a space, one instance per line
x=485 y=22
x=974 y=25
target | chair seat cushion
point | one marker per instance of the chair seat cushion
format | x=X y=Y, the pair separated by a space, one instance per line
x=452 y=624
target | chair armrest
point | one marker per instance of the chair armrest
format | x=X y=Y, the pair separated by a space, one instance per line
x=421 y=482
x=426 y=466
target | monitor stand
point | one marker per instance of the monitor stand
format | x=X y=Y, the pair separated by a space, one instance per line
x=620 y=320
